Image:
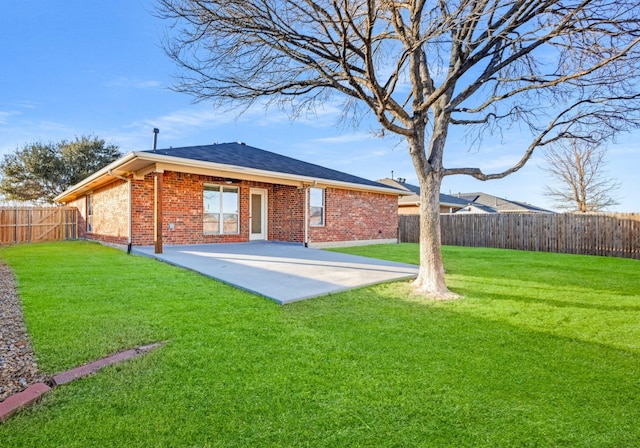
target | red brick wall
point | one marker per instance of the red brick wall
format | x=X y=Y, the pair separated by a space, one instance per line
x=81 y=205
x=286 y=214
x=349 y=215
x=142 y=211
x=182 y=196
x=356 y=216
x=110 y=214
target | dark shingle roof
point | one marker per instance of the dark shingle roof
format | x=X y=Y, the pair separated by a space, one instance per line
x=501 y=205
x=411 y=188
x=484 y=208
x=240 y=154
x=444 y=198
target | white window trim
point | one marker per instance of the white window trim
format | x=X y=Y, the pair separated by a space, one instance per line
x=220 y=189
x=324 y=206
x=90 y=206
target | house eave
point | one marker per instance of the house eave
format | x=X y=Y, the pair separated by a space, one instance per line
x=95 y=180
x=137 y=164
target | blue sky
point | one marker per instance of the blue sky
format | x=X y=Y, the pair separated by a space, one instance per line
x=79 y=67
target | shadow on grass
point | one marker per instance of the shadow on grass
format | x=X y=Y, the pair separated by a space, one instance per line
x=361 y=368
x=352 y=369
x=529 y=292
x=605 y=274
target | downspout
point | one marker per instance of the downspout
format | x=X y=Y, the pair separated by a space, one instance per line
x=129 y=239
x=306 y=216
x=307 y=192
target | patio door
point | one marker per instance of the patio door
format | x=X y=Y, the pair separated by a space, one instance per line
x=258 y=207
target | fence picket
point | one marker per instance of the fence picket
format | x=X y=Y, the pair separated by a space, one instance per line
x=607 y=234
x=32 y=224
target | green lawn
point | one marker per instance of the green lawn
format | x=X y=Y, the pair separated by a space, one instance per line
x=543 y=350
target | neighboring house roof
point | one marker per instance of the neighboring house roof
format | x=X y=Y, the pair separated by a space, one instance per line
x=452 y=201
x=500 y=205
x=235 y=160
x=467 y=202
x=475 y=208
x=414 y=199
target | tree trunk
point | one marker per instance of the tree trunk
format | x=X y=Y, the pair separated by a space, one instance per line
x=430 y=279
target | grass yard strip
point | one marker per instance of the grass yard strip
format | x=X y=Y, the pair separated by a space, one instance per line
x=588 y=298
x=543 y=350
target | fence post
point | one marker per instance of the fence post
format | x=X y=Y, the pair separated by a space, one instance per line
x=613 y=235
x=23 y=221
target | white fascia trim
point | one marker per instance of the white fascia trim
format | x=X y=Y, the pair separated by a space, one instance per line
x=97 y=175
x=231 y=169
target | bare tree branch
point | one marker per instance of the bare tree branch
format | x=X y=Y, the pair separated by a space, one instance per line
x=559 y=70
x=582 y=184
x=577 y=122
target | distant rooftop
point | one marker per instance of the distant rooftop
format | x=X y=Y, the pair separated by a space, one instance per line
x=482 y=201
x=500 y=205
x=445 y=199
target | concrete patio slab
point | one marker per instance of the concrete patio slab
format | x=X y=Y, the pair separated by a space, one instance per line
x=283 y=272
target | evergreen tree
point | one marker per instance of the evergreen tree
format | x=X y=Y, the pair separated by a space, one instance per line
x=38 y=172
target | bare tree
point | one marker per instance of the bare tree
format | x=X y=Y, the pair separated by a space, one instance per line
x=555 y=69
x=582 y=184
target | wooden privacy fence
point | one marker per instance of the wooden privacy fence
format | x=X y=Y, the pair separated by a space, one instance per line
x=613 y=235
x=33 y=224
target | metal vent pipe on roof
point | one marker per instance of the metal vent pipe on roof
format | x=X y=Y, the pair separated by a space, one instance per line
x=155 y=131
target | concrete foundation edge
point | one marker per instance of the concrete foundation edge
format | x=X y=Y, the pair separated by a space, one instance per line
x=332 y=244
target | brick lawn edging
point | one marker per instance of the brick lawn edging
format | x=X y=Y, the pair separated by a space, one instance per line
x=23 y=399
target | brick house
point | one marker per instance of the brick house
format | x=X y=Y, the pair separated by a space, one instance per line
x=230 y=192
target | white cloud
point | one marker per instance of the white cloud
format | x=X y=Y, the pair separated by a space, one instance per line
x=183 y=127
x=21 y=104
x=5 y=115
x=181 y=122
x=624 y=150
x=327 y=114
x=27 y=131
x=346 y=138
x=123 y=81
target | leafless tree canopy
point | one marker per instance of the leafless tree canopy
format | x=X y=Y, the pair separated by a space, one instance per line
x=555 y=69
x=562 y=67
x=581 y=183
